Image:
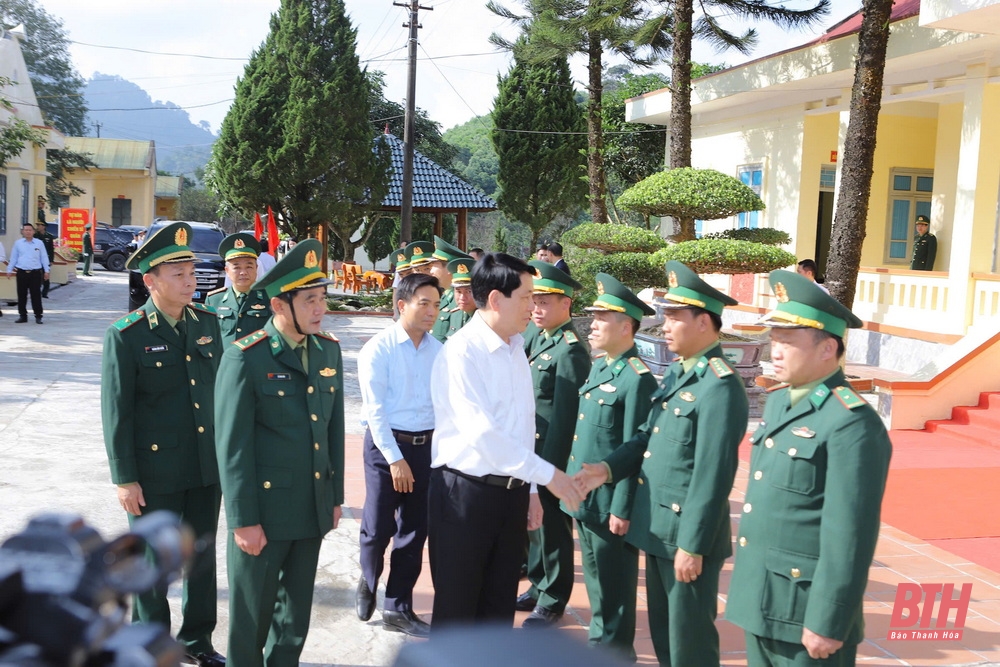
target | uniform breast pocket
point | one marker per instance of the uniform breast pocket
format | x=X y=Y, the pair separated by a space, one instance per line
x=543 y=375
x=159 y=372
x=787 y=581
x=678 y=427
x=605 y=408
x=797 y=465
x=225 y=312
x=277 y=398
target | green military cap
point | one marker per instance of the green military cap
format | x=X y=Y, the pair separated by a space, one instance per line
x=550 y=280
x=445 y=251
x=419 y=252
x=615 y=297
x=687 y=289
x=402 y=261
x=923 y=219
x=240 y=244
x=461 y=270
x=167 y=246
x=801 y=303
x=298 y=269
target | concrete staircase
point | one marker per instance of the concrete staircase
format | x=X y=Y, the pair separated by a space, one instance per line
x=976 y=424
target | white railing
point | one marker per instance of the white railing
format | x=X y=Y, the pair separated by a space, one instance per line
x=986 y=297
x=908 y=299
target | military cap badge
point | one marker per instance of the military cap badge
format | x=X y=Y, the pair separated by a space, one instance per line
x=600 y=287
x=311 y=261
x=238 y=243
x=672 y=279
x=781 y=293
x=181 y=237
x=400 y=257
x=418 y=251
x=462 y=268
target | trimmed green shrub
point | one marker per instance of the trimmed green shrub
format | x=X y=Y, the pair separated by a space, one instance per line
x=763 y=235
x=613 y=238
x=725 y=256
x=634 y=269
x=702 y=194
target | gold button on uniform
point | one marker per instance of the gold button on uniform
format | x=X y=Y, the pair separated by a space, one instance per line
x=316 y=446
x=747 y=507
x=314 y=418
x=159 y=364
x=769 y=443
x=281 y=392
x=646 y=454
x=640 y=481
x=572 y=458
x=155 y=447
x=743 y=541
x=581 y=415
x=537 y=436
x=587 y=395
x=758 y=475
x=201 y=429
x=600 y=402
x=187 y=357
x=796 y=573
x=310 y=390
x=197 y=407
x=675 y=507
x=793 y=451
x=656 y=429
x=677 y=411
x=192 y=382
x=575 y=438
x=317 y=475
x=267 y=485
x=664 y=405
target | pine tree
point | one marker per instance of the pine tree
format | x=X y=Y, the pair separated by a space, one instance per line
x=538 y=137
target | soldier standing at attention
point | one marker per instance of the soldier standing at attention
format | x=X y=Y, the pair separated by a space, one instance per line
x=157 y=393
x=559 y=365
x=614 y=403
x=818 y=469
x=280 y=416
x=241 y=309
x=686 y=455
x=88 y=250
x=924 y=246
x=465 y=305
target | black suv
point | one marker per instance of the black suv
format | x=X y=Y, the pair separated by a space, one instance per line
x=111 y=247
x=209 y=268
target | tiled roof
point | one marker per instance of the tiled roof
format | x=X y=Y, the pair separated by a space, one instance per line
x=434 y=186
x=114 y=153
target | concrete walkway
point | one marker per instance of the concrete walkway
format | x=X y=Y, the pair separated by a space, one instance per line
x=53 y=458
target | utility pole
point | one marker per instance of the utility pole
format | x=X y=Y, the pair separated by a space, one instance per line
x=406 y=215
x=98 y=127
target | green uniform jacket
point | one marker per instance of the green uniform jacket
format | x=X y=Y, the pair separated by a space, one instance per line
x=924 y=252
x=559 y=367
x=688 y=452
x=281 y=435
x=236 y=322
x=811 y=518
x=157 y=397
x=614 y=403
x=50 y=244
x=530 y=335
x=450 y=322
x=88 y=246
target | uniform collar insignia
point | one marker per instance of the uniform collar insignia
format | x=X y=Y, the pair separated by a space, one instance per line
x=204 y=340
x=328 y=372
x=686 y=396
x=803 y=432
x=154 y=320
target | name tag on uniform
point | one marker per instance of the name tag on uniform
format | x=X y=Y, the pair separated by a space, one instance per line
x=156 y=348
x=279 y=376
x=686 y=396
x=610 y=388
x=204 y=340
x=803 y=432
x=223 y=309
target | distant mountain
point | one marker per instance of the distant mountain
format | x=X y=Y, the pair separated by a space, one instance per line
x=181 y=146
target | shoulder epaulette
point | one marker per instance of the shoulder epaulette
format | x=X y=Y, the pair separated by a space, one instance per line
x=848 y=398
x=780 y=385
x=638 y=365
x=217 y=291
x=454 y=310
x=720 y=367
x=202 y=307
x=570 y=337
x=329 y=336
x=130 y=319
x=247 y=342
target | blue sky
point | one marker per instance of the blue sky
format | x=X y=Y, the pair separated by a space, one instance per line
x=457 y=69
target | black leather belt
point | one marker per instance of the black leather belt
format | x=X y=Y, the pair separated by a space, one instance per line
x=413 y=438
x=492 y=480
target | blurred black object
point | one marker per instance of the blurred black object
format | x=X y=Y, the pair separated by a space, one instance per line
x=484 y=645
x=63 y=592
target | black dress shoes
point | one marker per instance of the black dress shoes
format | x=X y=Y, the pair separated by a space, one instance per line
x=364 y=600
x=38 y=320
x=21 y=320
x=406 y=622
x=525 y=602
x=213 y=659
x=541 y=618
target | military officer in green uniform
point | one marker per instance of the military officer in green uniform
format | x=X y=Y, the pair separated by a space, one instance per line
x=924 y=246
x=419 y=254
x=241 y=310
x=464 y=306
x=614 y=403
x=686 y=456
x=157 y=395
x=443 y=253
x=559 y=365
x=280 y=417
x=88 y=250
x=818 y=466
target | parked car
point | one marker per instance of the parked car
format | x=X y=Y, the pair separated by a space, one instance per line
x=209 y=267
x=111 y=247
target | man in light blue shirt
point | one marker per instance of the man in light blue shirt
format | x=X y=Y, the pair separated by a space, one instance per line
x=30 y=260
x=394 y=370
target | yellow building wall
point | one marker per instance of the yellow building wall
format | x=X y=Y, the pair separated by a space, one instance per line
x=949 y=130
x=819 y=140
x=902 y=142
x=104 y=186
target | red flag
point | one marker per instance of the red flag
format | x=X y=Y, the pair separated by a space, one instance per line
x=272 y=233
x=258 y=226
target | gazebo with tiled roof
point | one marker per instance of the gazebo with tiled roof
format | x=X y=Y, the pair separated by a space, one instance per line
x=435 y=190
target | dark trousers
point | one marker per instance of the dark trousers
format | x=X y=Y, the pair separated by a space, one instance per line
x=550 y=556
x=682 y=616
x=767 y=652
x=270 y=601
x=199 y=508
x=476 y=534
x=400 y=517
x=29 y=281
x=87 y=260
x=46 y=285
x=611 y=573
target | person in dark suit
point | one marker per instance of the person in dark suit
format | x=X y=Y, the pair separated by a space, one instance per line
x=685 y=456
x=924 y=246
x=810 y=521
x=280 y=424
x=556 y=257
x=157 y=393
x=88 y=250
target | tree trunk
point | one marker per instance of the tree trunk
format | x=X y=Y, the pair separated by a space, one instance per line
x=595 y=133
x=680 y=101
x=859 y=152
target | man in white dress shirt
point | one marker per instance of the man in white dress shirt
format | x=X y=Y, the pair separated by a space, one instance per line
x=484 y=469
x=30 y=260
x=394 y=371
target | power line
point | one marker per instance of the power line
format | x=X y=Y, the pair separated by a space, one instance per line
x=157 y=53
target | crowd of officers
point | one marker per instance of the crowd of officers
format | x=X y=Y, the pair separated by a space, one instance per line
x=239 y=404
